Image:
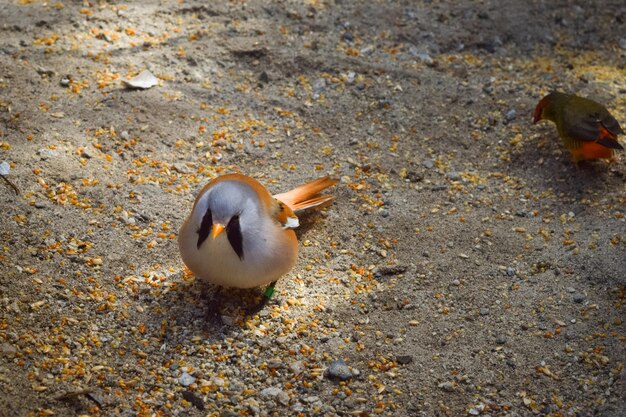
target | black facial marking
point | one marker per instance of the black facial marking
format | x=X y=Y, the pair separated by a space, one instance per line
x=205 y=227
x=233 y=231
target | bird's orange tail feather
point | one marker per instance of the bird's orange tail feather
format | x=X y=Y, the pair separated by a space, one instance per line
x=306 y=196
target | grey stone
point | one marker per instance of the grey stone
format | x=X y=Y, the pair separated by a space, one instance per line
x=446 y=386
x=319 y=85
x=8 y=350
x=404 y=359
x=338 y=370
x=186 y=379
x=428 y=163
x=510 y=115
x=276 y=393
x=296 y=367
x=45 y=153
x=89 y=153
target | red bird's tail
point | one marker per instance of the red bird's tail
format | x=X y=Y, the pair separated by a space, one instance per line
x=307 y=196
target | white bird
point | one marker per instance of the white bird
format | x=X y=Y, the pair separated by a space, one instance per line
x=239 y=235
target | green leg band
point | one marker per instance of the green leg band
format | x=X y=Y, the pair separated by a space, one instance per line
x=269 y=292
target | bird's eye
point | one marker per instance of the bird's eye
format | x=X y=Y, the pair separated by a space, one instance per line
x=205 y=227
x=233 y=231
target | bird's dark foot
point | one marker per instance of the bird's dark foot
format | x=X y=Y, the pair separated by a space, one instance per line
x=214 y=307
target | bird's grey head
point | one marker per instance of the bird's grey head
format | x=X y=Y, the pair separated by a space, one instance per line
x=229 y=198
x=231 y=206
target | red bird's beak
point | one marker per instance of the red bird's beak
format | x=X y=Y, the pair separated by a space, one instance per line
x=537 y=113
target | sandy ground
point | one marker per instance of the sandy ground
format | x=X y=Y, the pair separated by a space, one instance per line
x=466 y=268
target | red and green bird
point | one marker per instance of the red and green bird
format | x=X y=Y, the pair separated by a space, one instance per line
x=587 y=128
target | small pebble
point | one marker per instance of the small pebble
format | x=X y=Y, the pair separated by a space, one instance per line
x=404 y=359
x=578 y=297
x=510 y=115
x=367 y=50
x=425 y=58
x=296 y=367
x=500 y=339
x=277 y=393
x=186 y=379
x=7 y=350
x=319 y=85
x=474 y=411
x=484 y=311
x=46 y=153
x=311 y=399
x=446 y=386
x=428 y=163
x=89 y=153
x=275 y=363
x=228 y=320
x=338 y=370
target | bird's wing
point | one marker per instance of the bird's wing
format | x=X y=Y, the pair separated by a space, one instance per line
x=284 y=215
x=611 y=124
x=595 y=124
x=581 y=126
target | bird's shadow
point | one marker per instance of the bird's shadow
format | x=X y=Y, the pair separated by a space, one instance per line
x=308 y=220
x=559 y=173
x=196 y=309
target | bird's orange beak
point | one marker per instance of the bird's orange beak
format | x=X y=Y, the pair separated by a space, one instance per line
x=216 y=230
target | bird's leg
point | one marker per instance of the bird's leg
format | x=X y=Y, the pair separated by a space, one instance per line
x=267 y=295
x=214 y=308
x=17 y=191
